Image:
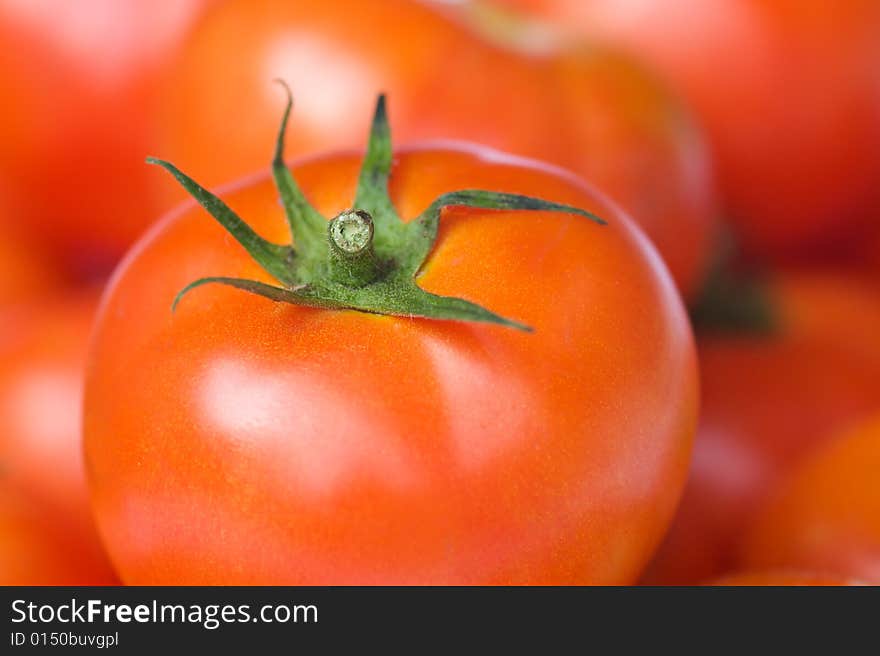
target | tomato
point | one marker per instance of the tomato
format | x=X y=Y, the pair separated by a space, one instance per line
x=43 y=347
x=245 y=441
x=766 y=401
x=784 y=577
x=794 y=119
x=872 y=257
x=23 y=272
x=826 y=514
x=77 y=83
x=47 y=530
x=583 y=108
x=39 y=547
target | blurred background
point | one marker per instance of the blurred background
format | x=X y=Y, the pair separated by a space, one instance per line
x=743 y=136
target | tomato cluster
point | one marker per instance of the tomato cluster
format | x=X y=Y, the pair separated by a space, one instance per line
x=495 y=335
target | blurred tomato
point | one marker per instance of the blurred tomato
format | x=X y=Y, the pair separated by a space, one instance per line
x=77 y=79
x=766 y=401
x=21 y=274
x=873 y=253
x=24 y=272
x=43 y=348
x=827 y=513
x=782 y=577
x=582 y=108
x=37 y=546
x=789 y=91
x=832 y=307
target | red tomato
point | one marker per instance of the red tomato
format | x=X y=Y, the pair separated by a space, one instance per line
x=47 y=529
x=20 y=273
x=43 y=347
x=783 y=577
x=873 y=253
x=583 y=108
x=789 y=91
x=38 y=546
x=23 y=271
x=77 y=79
x=826 y=514
x=765 y=402
x=242 y=441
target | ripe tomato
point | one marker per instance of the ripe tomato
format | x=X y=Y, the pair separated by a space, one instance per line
x=766 y=400
x=586 y=109
x=43 y=347
x=38 y=545
x=23 y=271
x=243 y=441
x=21 y=274
x=782 y=577
x=48 y=534
x=77 y=79
x=788 y=90
x=872 y=255
x=826 y=514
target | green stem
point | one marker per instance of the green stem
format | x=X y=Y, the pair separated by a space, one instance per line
x=353 y=261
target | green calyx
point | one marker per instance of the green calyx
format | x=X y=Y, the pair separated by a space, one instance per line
x=366 y=258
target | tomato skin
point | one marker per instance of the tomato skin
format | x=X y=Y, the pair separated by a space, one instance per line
x=48 y=534
x=588 y=110
x=797 y=168
x=78 y=82
x=766 y=402
x=826 y=514
x=241 y=441
x=782 y=578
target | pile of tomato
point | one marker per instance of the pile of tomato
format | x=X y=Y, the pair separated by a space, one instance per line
x=603 y=307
